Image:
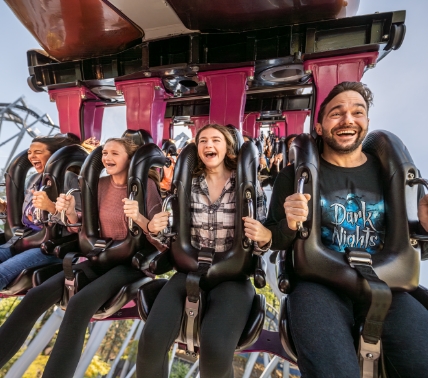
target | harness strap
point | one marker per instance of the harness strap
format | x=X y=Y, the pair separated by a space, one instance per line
x=380 y=298
x=70 y=279
x=205 y=259
x=19 y=233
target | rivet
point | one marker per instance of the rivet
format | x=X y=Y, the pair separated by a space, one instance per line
x=147 y=74
x=250 y=78
x=308 y=72
x=385 y=37
x=369 y=355
x=119 y=92
x=191 y=313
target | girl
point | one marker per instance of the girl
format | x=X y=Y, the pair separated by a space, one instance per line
x=112 y=193
x=229 y=303
x=40 y=151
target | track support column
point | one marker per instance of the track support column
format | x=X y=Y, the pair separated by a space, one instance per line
x=80 y=111
x=327 y=72
x=227 y=89
x=145 y=105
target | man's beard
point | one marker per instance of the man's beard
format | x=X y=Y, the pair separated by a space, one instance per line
x=328 y=138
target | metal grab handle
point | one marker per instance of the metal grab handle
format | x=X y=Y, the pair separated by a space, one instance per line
x=63 y=216
x=419 y=180
x=300 y=189
x=130 y=221
x=37 y=215
x=248 y=241
x=166 y=231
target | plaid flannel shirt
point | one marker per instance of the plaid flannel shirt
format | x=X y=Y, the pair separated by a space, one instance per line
x=213 y=224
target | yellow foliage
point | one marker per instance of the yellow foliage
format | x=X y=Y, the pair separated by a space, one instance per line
x=97 y=367
x=35 y=370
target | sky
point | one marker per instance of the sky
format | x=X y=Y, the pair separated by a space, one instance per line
x=398 y=82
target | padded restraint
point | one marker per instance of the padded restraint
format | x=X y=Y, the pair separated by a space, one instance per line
x=119 y=251
x=238 y=262
x=53 y=183
x=397 y=264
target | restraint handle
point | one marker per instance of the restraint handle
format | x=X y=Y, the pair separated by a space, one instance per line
x=63 y=215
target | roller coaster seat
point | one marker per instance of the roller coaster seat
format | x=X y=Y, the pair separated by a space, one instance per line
x=397 y=264
x=236 y=264
x=108 y=253
x=147 y=295
x=53 y=182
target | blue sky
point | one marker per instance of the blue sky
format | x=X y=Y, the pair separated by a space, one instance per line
x=399 y=82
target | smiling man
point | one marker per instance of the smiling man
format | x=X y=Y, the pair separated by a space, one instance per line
x=322 y=318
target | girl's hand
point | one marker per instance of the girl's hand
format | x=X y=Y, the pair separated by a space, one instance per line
x=42 y=201
x=256 y=231
x=2 y=206
x=158 y=222
x=67 y=203
x=130 y=208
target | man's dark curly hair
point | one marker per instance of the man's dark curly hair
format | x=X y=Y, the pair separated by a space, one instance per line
x=355 y=86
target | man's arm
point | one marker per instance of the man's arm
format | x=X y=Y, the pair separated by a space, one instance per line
x=276 y=222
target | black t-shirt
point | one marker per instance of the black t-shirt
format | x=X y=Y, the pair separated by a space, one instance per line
x=358 y=191
x=352 y=206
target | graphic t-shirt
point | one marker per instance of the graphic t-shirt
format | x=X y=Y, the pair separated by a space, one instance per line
x=352 y=206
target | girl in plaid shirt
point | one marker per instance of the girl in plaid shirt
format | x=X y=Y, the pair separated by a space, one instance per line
x=229 y=303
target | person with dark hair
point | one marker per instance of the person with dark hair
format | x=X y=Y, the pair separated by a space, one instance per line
x=212 y=225
x=114 y=210
x=39 y=152
x=288 y=142
x=322 y=317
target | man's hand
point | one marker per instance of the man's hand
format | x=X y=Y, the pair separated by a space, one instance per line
x=296 y=209
x=423 y=212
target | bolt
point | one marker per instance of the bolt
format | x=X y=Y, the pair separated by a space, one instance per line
x=201 y=83
x=147 y=74
x=191 y=313
x=83 y=96
x=39 y=83
x=372 y=65
x=308 y=72
x=305 y=234
x=304 y=174
x=119 y=92
x=51 y=99
x=385 y=37
x=195 y=68
x=134 y=188
x=157 y=87
x=410 y=176
x=369 y=355
x=413 y=242
x=250 y=78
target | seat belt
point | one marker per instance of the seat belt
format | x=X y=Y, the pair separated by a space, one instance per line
x=379 y=297
x=192 y=306
x=70 y=279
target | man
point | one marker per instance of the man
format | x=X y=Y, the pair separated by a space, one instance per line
x=321 y=318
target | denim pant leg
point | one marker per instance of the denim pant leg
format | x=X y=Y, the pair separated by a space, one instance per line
x=11 y=268
x=405 y=338
x=5 y=253
x=321 y=322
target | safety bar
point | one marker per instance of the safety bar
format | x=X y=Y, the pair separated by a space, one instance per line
x=132 y=197
x=300 y=189
x=63 y=217
x=249 y=200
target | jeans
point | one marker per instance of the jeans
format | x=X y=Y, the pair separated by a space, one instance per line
x=321 y=324
x=11 y=266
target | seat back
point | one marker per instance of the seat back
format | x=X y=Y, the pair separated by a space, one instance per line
x=53 y=183
x=397 y=263
x=118 y=251
x=238 y=262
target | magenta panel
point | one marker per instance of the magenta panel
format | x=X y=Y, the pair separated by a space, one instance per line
x=145 y=105
x=327 y=72
x=250 y=125
x=227 y=89
x=295 y=121
x=70 y=103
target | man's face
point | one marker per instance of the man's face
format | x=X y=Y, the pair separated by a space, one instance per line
x=345 y=122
